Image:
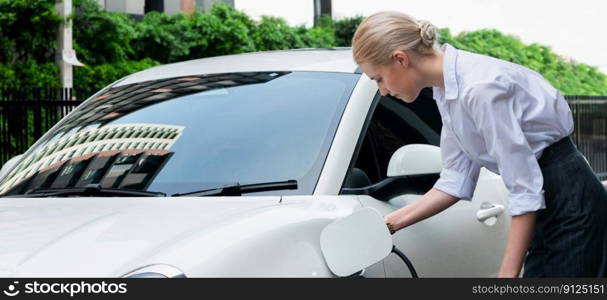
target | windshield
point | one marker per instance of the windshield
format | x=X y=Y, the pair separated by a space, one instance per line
x=191 y=133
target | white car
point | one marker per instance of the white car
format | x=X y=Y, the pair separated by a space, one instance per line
x=232 y=166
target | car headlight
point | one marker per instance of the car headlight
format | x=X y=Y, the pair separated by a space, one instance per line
x=156 y=271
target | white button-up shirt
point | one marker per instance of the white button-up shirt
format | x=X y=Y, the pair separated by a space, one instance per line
x=500 y=116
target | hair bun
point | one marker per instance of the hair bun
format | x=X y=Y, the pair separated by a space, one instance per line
x=427 y=31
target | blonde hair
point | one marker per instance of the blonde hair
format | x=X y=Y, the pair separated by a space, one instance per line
x=384 y=32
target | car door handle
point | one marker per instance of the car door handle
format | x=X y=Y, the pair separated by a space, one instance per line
x=492 y=210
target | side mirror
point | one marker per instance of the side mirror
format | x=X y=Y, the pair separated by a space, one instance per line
x=415 y=159
x=355 y=242
x=9 y=164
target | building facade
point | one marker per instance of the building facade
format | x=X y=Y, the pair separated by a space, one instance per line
x=140 y=7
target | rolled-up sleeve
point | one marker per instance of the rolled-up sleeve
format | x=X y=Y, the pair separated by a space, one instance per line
x=459 y=174
x=493 y=107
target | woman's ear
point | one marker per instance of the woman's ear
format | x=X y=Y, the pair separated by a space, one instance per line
x=401 y=58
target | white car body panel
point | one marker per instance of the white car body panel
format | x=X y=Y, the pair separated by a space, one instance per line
x=415 y=159
x=345 y=139
x=41 y=234
x=248 y=236
x=206 y=237
x=426 y=242
x=295 y=60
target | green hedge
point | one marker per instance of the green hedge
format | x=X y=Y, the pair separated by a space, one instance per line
x=102 y=37
x=28 y=30
x=171 y=38
x=344 y=30
x=29 y=74
x=97 y=77
x=113 y=45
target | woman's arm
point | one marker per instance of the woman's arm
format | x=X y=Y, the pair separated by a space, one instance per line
x=435 y=201
x=521 y=230
x=430 y=204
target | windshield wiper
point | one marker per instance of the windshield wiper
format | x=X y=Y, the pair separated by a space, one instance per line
x=89 y=190
x=236 y=189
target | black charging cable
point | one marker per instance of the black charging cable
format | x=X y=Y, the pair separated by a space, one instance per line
x=406 y=260
x=402 y=256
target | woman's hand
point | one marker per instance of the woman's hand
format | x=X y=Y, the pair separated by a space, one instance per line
x=507 y=275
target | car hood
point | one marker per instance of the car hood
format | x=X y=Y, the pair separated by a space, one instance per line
x=57 y=237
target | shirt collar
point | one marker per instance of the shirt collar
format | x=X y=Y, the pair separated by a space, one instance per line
x=450 y=91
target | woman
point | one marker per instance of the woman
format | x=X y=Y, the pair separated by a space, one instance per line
x=508 y=119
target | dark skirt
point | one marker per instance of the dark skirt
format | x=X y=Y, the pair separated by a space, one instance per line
x=570 y=235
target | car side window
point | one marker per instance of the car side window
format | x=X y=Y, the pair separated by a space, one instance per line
x=393 y=124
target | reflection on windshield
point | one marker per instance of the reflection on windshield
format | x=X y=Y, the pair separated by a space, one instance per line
x=117 y=156
x=123 y=100
x=182 y=134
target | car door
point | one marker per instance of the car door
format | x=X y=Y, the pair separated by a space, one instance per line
x=452 y=243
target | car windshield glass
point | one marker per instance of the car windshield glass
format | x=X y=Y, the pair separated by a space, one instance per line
x=184 y=134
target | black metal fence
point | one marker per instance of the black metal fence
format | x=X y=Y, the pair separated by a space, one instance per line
x=26 y=114
x=590 y=130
